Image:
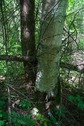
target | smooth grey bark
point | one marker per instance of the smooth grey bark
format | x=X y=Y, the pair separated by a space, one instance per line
x=49 y=51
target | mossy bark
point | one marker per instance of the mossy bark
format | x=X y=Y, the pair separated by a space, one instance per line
x=49 y=51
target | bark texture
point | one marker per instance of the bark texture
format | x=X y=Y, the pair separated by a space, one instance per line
x=49 y=51
x=28 y=37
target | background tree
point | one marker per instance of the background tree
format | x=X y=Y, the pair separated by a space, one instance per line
x=28 y=37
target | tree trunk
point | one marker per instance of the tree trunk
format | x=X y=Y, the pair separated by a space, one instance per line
x=49 y=51
x=28 y=37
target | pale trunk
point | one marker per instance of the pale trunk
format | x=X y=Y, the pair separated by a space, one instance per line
x=49 y=51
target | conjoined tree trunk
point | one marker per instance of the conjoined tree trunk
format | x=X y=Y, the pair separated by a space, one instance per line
x=49 y=50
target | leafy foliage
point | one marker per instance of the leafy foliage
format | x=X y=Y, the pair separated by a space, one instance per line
x=19 y=119
x=77 y=100
x=25 y=104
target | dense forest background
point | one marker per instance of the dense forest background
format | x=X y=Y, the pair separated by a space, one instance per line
x=45 y=36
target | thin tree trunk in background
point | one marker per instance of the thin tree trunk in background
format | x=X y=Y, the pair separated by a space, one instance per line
x=5 y=43
x=49 y=51
x=17 y=36
x=28 y=37
x=15 y=11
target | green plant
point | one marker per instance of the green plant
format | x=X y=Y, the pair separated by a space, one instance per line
x=25 y=104
x=42 y=119
x=1 y=123
x=77 y=100
x=21 y=120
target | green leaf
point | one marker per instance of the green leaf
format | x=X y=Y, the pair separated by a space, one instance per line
x=20 y=121
x=71 y=98
x=45 y=124
x=1 y=123
x=81 y=105
x=25 y=104
x=2 y=103
x=0 y=115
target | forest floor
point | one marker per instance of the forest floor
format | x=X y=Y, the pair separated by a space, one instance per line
x=72 y=112
x=72 y=103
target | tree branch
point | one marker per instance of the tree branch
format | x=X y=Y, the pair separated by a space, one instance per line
x=14 y=58
x=25 y=59
x=72 y=67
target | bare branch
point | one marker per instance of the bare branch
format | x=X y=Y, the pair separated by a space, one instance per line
x=26 y=59
x=72 y=67
x=14 y=58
